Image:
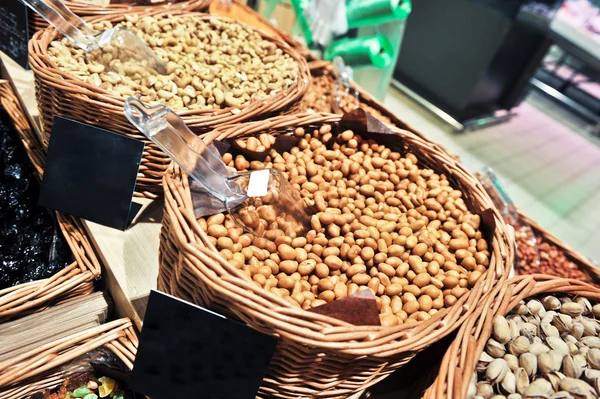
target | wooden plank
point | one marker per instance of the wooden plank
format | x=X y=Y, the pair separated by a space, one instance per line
x=130 y=258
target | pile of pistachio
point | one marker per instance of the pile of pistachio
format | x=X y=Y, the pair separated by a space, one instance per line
x=546 y=348
x=211 y=64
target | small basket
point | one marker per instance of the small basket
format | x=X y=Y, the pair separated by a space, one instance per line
x=461 y=358
x=76 y=279
x=592 y=271
x=84 y=9
x=32 y=372
x=317 y=356
x=59 y=93
x=319 y=69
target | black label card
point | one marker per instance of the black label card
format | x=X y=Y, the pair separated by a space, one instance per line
x=14 y=31
x=91 y=173
x=186 y=351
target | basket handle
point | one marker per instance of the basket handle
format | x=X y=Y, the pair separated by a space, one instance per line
x=67 y=23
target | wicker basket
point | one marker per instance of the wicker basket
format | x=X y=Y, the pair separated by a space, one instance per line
x=584 y=264
x=459 y=362
x=33 y=371
x=319 y=69
x=78 y=277
x=84 y=9
x=59 y=93
x=317 y=356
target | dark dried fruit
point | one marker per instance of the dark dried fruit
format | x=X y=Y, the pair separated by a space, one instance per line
x=31 y=245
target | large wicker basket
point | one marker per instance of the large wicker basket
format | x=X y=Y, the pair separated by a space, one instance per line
x=317 y=356
x=459 y=362
x=36 y=370
x=59 y=93
x=78 y=277
x=84 y=9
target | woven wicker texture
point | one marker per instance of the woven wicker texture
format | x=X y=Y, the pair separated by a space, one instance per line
x=33 y=371
x=84 y=9
x=78 y=277
x=583 y=263
x=459 y=361
x=59 y=93
x=317 y=356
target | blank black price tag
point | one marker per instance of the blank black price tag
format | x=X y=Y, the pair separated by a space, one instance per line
x=14 y=30
x=91 y=173
x=186 y=351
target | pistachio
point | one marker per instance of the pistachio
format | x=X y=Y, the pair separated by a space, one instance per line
x=496 y=371
x=535 y=307
x=495 y=349
x=528 y=361
x=538 y=348
x=551 y=303
x=484 y=389
x=501 y=330
x=522 y=380
x=572 y=309
x=570 y=368
x=546 y=363
x=562 y=395
x=578 y=388
x=512 y=361
x=563 y=322
x=519 y=345
x=509 y=383
x=558 y=345
x=591 y=342
x=593 y=358
x=539 y=388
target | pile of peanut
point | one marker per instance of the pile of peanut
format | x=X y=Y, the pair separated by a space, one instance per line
x=382 y=223
x=211 y=64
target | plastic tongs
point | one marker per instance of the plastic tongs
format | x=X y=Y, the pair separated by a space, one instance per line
x=342 y=88
x=258 y=201
x=127 y=46
x=502 y=200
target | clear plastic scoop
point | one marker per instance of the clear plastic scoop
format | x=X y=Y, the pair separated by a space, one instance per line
x=504 y=203
x=345 y=98
x=259 y=201
x=123 y=44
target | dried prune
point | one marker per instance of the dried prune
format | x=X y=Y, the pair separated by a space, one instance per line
x=31 y=244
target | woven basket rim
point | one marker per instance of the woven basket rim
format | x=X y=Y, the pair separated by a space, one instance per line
x=76 y=278
x=460 y=359
x=119 y=336
x=83 y=8
x=316 y=330
x=48 y=71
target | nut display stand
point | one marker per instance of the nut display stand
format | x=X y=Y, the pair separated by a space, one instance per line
x=131 y=270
